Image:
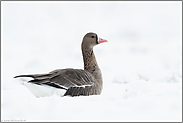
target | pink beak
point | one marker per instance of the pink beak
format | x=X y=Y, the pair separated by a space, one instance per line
x=102 y=40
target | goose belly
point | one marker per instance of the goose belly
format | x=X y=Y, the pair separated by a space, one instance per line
x=43 y=90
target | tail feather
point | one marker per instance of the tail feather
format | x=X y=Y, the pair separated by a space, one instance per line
x=41 y=79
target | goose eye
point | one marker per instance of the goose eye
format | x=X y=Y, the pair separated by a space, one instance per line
x=92 y=36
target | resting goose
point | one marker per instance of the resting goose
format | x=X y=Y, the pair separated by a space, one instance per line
x=75 y=82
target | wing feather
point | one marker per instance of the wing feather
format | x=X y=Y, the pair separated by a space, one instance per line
x=72 y=78
x=65 y=78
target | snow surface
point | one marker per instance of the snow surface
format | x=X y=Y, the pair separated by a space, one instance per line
x=141 y=64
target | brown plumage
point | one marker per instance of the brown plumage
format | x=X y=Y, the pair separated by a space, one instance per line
x=76 y=81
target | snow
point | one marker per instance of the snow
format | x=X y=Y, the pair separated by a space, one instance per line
x=141 y=63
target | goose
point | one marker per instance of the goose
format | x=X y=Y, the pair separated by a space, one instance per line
x=72 y=82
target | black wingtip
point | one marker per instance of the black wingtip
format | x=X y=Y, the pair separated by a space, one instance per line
x=23 y=76
x=15 y=77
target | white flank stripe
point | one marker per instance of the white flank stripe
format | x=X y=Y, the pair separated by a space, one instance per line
x=83 y=86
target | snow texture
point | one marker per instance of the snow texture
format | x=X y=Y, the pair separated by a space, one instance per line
x=141 y=63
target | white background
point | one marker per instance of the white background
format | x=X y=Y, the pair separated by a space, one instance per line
x=141 y=63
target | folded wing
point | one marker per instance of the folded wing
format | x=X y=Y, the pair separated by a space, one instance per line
x=63 y=78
